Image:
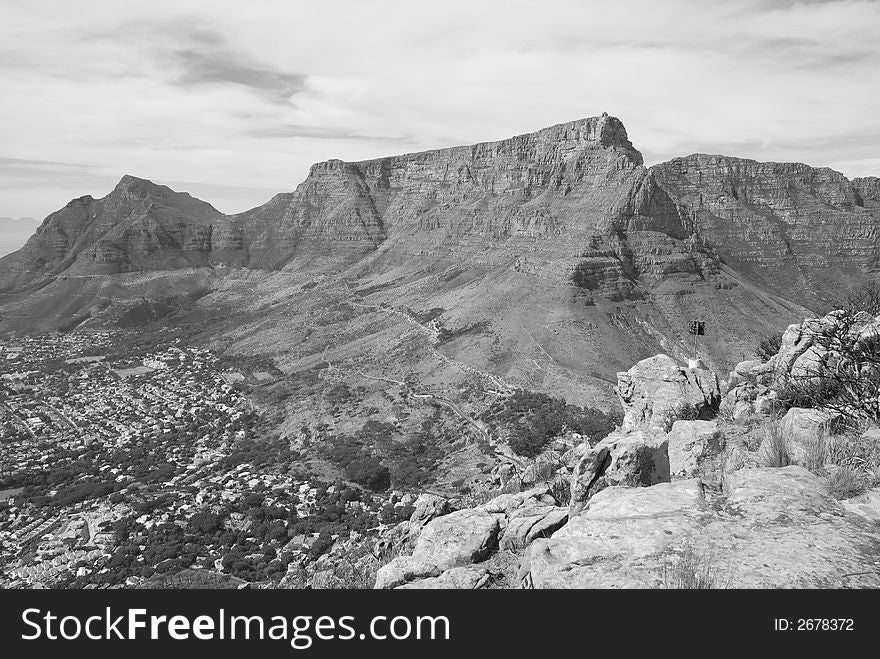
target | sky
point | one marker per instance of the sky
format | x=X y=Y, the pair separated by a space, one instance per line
x=233 y=101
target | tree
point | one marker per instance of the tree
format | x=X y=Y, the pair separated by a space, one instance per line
x=369 y=472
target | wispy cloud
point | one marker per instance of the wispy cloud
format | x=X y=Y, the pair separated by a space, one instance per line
x=324 y=133
x=22 y=168
x=243 y=98
x=227 y=67
x=190 y=53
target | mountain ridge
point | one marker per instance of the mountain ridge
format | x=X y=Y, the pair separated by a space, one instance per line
x=541 y=252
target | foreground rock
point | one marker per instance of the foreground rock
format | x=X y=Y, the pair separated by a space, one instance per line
x=455 y=541
x=805 y=431
x=457 y=578
x=693 y=449
x=657 y=391
x=632 y=459
x=772 y=528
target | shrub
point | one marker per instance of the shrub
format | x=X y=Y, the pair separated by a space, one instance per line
x=369 y=472
x=321 y=545
x=815 y=454
x=846 y=380
x=534 y=418
x=769 y=346
x=857 y=452
x=528 y=441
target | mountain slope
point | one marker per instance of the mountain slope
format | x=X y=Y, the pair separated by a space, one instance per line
x=551 y=259
x=138 y=226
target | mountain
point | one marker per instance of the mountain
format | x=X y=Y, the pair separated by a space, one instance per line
x=551 y=259
x=14 y=232
x=138 y=226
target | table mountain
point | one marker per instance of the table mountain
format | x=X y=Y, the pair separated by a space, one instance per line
x=538 y=253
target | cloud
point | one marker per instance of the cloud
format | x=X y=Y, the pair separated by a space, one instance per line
x=192 y=54
x=324 y=133
x=244 y=98
x=227 y=68
x=21 y=169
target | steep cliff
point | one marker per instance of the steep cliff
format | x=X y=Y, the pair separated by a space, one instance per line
x=805 y=233
x=554 y=255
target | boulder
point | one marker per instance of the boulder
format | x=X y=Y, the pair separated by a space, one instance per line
x=543 y=468
x=527 y=515
x=453 y=540
x=866 y=505
x=805 y=431
x=530 y=522
x=692 y=444
x=427 y=507
x=656 y=392
x=507 y=504
x=767 y=493
x=770 y=528
x=637 y=458
x=588 y=476
x=457 y=578
x=620 y=527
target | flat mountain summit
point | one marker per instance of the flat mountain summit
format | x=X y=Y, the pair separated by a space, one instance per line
x=546 y=257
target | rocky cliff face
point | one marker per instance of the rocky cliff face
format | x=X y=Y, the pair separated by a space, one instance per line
x=138 y=226
x=796 y=229
x=553 y=254
x=571 y=203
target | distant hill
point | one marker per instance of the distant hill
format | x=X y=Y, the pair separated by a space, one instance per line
x=14 y=232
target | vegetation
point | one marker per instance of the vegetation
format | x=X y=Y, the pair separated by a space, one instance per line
x=844 y=483
x=774 y=451
x=692 y=570
x=533 y=419
x=377 y=457
x=846 y=377
x=769 y=346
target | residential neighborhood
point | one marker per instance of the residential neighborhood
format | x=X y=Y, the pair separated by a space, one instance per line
x=116 y=470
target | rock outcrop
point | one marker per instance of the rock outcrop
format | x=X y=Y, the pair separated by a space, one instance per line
x=807 y=349
x=772 y=528
x=449 y=544
x=454 y=540
x=693 y=447
x=636 y=459
x=657 y=391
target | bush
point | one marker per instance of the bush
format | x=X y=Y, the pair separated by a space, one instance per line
x=534 y=419
x=528 y=441
x=561 y=491
x=769 y=346
x=846 y=380
x=369 y=472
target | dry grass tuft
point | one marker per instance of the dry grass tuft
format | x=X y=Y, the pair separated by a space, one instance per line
x=774 y=451
x=693 y=569
x=844 y=483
